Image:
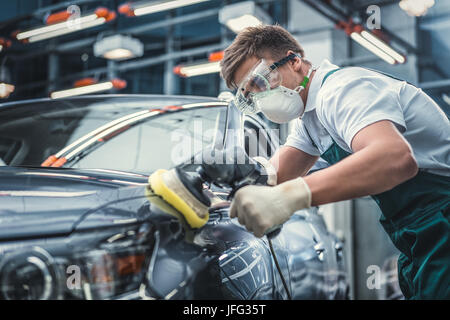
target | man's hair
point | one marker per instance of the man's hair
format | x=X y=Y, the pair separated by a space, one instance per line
x=261 y=42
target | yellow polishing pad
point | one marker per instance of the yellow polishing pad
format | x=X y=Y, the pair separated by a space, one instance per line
x=167 y=185
x=163 y=205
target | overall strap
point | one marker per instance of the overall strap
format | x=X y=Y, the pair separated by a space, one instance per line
x=323 y=81
x=329 y=74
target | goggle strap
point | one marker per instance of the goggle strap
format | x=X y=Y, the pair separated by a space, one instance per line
x=283 y=61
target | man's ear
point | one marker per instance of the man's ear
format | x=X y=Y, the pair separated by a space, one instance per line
x=296 y=63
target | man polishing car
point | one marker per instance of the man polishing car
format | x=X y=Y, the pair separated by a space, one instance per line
x=380 y=136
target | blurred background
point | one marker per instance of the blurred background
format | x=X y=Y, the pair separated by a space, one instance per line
x=51 y=48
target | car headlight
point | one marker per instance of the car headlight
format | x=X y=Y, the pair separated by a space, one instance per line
x=29 y=274
x=94 y=265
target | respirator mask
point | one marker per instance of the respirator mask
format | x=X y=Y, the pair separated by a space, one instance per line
x=261 y=91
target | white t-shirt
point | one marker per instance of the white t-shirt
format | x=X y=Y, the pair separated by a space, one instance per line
x=353 y=98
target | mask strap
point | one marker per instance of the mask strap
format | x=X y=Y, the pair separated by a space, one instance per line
x=305 y=81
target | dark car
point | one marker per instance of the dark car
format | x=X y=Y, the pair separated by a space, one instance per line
x=77 y=220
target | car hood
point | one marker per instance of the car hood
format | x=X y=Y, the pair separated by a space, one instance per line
x=44 y=202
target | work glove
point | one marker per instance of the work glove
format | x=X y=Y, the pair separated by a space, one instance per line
x=261 y=208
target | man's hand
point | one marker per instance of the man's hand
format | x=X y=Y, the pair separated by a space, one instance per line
x=259 y=207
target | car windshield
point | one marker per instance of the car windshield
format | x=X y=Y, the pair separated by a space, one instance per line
x=118 y=134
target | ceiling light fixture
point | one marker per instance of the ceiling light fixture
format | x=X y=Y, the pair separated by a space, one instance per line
x=371 y=47
x=87 y=86
x=197 y=69
x=140 y=9
x=416 y=7
x=118 y=47
x=212 y=65
x=383 y=46
x=242 y=15
x=58 y=27
x=372 y=42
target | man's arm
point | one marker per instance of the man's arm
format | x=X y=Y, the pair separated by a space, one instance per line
x=291 y=163
x=382 y=159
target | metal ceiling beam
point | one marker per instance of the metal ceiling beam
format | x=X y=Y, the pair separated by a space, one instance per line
x=327 y=4
x=319 y=9
x=62 y=5
x=172 y=56
x=380 y=3
x=131 y=65
x=173 y=21
x=433 y=85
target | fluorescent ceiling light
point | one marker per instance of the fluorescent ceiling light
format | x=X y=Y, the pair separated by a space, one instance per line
x=383 y=46
x=118 y=47
x=416 y=7
x=371 y=47
x=241 y=15
x=238 y=24
x=100 y=16
x=199 y=69
x=60 y=32
x=57 y=26
x=98 y=87
x=118 y=54
x=164 y=6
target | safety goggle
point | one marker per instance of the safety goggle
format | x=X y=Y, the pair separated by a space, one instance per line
x=259 y=81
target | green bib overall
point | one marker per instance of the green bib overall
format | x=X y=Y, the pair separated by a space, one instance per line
x=415 y=215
